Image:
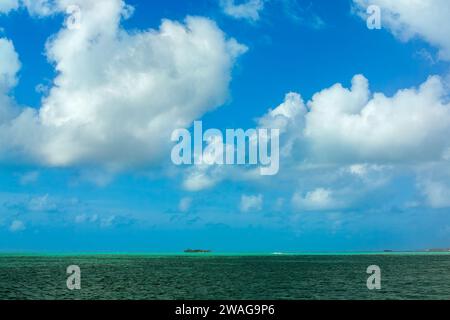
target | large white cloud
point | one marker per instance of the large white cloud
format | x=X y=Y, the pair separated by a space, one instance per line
x=355 y=126
x=349 y=128
x=427 y=19
x=119 y=95
x=348 y=142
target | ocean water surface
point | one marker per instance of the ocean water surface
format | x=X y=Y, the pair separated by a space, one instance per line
x=223 y=277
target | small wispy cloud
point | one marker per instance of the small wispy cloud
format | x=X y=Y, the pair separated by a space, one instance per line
x=249 y=10
x=251 y=203
x=42 y=204
x=17 y=226
x=316 y=200
x=29 y=178
x=303 y=15
x=185 y=204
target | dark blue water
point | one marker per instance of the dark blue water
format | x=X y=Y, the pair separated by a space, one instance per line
x=226 y=277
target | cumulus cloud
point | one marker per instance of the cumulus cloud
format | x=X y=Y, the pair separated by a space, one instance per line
x=427 y=19
x=35 y=7
x=355 y=126
x=8 y=5
x=250 y=9
x=347 y=143
x=433 y=183
x=208 y=174
x=352 y=125
x=316 y=200
x=437 y=194
x=251 y=203
x=288 y=117
x=366 y=135
x=118 y=95
x=9 y=67
x=43 y=7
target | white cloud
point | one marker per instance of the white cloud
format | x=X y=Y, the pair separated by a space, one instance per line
x=119 y=95
x=8 y=5
x=366 y=132
x=351 y=125
x=288 y=117
x=199 y=178
x=344 y=137
x=319 y=199
x=280 y=118
x=17 y=226
x=251 y=203
x=207 y=174
x=437 y=194
x=43 y=7
x=9 y=66
x=351 y=140
x=249 y=9
x=185 y=204
x=426 y=19
x=35 y=7
x=355 y=126
x=39 y=8
x=359 y=170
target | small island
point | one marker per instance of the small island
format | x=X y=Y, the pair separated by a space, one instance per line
x=196 y=251
x=438 y=250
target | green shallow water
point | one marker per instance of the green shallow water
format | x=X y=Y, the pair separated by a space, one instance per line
x=165 y=276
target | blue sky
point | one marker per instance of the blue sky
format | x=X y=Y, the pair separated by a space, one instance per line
x=86 y=116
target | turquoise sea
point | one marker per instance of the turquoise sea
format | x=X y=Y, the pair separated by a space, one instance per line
x=215 y=276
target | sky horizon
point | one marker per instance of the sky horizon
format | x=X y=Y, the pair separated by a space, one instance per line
x=91 y=92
